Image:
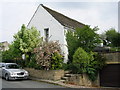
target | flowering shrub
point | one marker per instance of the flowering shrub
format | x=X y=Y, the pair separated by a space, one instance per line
x=47 y=53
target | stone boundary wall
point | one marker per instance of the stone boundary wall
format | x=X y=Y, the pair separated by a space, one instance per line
x=46 y=74
x=82 y=80
x=112 y=57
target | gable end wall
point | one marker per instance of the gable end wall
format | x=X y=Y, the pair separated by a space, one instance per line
x=41 y=20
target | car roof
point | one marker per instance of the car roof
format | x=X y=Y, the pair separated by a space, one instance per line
x=9 y=63
x=6 y=63
x=2 y=63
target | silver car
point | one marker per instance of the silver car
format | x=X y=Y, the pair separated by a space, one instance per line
x=12 y=71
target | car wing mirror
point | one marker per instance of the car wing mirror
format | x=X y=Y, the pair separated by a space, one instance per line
x=3 y=67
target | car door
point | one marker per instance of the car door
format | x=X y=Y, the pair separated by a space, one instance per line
x=3 y=70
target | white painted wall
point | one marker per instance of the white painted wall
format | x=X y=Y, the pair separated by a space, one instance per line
x=41 y=20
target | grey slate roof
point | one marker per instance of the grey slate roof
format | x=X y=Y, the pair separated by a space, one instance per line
x=64 y=20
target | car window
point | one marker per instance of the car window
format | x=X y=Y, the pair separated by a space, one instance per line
x=13 y=66
x=2 y=65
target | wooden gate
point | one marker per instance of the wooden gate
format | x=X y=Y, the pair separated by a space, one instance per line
x=110 y=75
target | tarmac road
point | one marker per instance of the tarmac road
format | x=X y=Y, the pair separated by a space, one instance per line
x=37 y=85
x=27 y=84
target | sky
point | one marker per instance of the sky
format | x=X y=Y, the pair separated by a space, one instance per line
x=14 y=13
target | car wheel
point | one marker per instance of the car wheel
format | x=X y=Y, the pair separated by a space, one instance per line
x=7 y=77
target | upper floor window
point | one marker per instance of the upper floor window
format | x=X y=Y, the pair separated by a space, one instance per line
x=46 y=32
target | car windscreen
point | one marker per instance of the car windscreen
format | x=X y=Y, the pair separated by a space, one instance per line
x=13 y=66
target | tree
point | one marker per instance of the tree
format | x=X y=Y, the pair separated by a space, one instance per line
x=26 y=40
x=113 y=38
x=11 y=54
x=72 y=42
x=84 y=37
x=103 y=38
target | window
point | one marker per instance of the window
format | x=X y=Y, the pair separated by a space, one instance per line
x=46 y=31
x=13 y=66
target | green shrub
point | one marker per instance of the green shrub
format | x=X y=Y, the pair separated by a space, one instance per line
x=91 y=72
x=32 y=62
x=80 y=56
x=115 y=49
x=38 y=67
x=56 y=61
x=64 y=66
x=74 y=68
x=8 y=61
x=89 y=63
x=21 y=62
x=99 y=61
x=95 y=65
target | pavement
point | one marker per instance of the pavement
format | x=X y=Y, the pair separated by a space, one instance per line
x=73 y=86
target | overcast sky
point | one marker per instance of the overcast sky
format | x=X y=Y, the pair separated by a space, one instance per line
x=14 y=13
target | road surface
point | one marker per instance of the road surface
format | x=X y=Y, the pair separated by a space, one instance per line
x=27 y=84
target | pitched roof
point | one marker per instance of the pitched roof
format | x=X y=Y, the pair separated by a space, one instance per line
x=64 y=20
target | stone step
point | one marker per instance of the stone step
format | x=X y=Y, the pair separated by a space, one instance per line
x=67 y=72
x=62 y=81
x=68 y=75
x=64 y=78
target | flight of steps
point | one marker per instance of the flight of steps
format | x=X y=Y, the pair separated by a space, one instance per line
x=66 y=76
